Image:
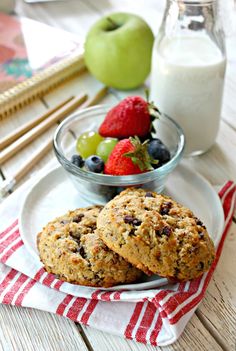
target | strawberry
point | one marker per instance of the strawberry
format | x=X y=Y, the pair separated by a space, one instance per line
x=129 y=156
x=132 y=116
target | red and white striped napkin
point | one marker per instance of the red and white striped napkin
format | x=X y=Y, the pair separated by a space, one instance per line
x=156 y=316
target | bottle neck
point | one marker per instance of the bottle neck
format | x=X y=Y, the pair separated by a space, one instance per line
x=192 y=18
x=192 y=15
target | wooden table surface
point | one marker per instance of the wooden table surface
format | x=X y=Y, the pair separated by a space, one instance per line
x=213 y=326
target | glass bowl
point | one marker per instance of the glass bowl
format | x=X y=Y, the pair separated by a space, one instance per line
x=100 y=188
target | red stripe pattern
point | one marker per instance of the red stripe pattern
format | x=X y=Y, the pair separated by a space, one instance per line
x=24 y=292
x=146 y=317
x=2 y=234
x=89 y=311
x=133 y=320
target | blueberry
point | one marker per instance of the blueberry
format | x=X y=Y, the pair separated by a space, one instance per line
x=77 y=160
x=94 y=164
x=158 y=165
x=157 y=141
x=158 y=151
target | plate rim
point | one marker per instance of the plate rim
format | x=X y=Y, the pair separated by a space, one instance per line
x=140 y=286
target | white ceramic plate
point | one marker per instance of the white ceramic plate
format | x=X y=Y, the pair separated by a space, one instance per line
x=54 y=194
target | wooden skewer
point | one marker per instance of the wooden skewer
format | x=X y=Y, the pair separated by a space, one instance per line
x=40 y=128
x=16 y=133
x=96 y=98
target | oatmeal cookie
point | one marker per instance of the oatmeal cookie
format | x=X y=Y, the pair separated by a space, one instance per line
x=156 y=234
x=70 y=248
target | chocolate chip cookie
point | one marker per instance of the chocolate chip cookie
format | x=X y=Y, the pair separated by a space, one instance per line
x=156 y=234
x=70 y=248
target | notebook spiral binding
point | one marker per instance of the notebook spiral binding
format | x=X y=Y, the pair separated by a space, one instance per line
x=23 y=93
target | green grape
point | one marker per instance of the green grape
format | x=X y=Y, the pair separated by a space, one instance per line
x=87 y=143
x=105 y=148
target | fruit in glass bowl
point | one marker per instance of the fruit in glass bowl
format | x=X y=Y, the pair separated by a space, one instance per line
x=100 y=187
x=128 y=120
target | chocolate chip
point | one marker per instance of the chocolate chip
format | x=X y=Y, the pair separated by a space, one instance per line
x=166 y=231
x=93 y=227
x=128 y=219
x=96 y=276
x=164 y=211
x=132 y=220
x=132 y=232
x=65 y=221
x=193 y=249
x=201 y=265
x=105 y=248
x=201 y=235
x=78 y=218
x=149 y=194
x=77 y=240
x=75 y=236
x=136 y=222
x=165 y=208
x=176 y=273
x=81 y=252
x=198 y=222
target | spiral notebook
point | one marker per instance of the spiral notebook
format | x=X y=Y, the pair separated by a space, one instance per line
x=34 y=58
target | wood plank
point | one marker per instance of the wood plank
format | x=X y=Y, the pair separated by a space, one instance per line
x=217 y=310
x=15 y=120
x=218 y=164
x=84 y=83
x=22 y=116
x=149 y=10
x=229 y=108
x=10 y=166
x=30 y=330
x=75 y=16
x=195 y=337
x=80 y=15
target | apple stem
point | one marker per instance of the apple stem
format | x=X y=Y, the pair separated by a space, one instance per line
x=113 y=23
x=147 y=94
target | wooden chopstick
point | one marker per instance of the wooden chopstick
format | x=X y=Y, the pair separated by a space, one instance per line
x=14 y=135
x=96 y=98
x=40 y=128
x=35 y=158
x=9 y=183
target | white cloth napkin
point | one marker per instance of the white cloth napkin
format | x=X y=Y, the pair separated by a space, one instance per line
x=156 y=316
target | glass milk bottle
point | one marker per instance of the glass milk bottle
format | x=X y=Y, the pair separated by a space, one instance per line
x=188 y=68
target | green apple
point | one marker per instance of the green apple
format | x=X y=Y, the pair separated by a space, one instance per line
x=118 y=50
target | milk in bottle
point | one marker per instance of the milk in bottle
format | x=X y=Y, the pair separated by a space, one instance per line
x=187 y=78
